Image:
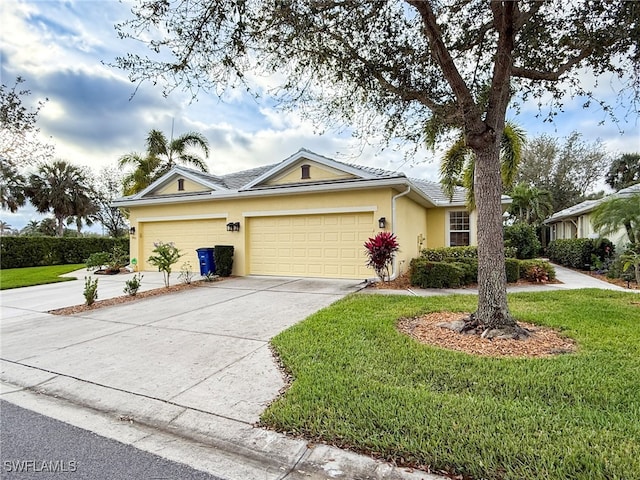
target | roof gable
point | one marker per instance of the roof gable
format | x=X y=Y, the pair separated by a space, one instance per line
x=322 y=169
x=182 y=181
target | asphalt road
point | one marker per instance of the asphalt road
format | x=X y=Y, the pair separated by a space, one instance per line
x=36 y=447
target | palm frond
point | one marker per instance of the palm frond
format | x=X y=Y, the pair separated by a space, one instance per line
x=452 y=166
x=511 y=144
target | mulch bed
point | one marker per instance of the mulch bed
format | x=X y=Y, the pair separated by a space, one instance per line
x=125 y=299
x=543 y=342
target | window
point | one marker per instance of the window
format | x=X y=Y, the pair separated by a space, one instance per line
x=305 y=171
x=181 y=184
x=459 y=231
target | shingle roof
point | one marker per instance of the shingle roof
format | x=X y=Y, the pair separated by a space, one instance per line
x=434 y=191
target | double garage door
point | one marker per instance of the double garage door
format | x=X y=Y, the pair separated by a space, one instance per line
x=323 y=245
x=328 y=245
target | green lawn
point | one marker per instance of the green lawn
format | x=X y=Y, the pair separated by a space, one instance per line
x=361 y=384
x=25 y=277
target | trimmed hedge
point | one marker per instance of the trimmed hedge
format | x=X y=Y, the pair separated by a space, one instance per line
x=577 y=252
x=223 y=257
x=427 y=274
x=20 y=252
x=439 y=254
x=469 y=267
x=512 y=268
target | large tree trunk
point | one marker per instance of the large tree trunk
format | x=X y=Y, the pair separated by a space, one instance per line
x=493 y=315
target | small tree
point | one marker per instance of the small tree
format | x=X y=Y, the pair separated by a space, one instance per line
x=381 y=250
x=165 y=255
x=632 y=259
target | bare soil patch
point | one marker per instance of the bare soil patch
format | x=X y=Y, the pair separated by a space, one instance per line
x=125 y=299
x=543 y=342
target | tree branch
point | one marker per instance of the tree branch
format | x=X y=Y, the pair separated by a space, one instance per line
x=552 y=76
x=442 y=57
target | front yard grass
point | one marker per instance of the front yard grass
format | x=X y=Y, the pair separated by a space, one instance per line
x=26 y=277
x=360 y=384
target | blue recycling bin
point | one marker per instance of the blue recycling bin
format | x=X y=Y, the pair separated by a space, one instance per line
x=207 y=263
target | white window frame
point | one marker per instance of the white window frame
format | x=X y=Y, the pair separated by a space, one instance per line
x=449 y=231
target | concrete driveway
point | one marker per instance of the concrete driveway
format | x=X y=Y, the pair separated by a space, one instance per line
x=204 y=349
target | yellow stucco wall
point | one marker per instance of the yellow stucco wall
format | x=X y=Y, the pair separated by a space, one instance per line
x=317 y=172
x=416 y=226
x=172 y=187
x=436 y=228
x=237 y=210
x=411 y=231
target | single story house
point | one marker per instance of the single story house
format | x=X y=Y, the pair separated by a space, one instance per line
x=575 y=221
x=308 y=215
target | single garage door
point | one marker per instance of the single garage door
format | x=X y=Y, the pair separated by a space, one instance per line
x=330 y=245
x=187 y=235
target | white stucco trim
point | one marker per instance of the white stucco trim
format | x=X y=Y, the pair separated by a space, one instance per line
x=205 y=216
x=310 y=211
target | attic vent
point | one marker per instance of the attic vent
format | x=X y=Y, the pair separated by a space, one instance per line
x=181 y=184
x=305 y=171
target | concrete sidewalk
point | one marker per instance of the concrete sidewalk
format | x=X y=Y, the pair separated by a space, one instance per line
x=184 y=375
x=570 y=280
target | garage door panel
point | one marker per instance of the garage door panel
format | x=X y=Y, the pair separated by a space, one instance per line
x=328 y=245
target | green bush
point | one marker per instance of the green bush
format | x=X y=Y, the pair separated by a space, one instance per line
x=90 y=291
x=20 y=252
x=427 y=274
x=577 y=252
x=529 y=267
x=512 y=268
x=223 y=257
x=523 y=238
x=469 y=267
x=439 y=254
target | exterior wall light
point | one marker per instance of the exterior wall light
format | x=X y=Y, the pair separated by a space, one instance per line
x=132 y=231
x=233 y=227
x=382 y=222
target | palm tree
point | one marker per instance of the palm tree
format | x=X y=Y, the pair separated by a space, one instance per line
x=60 y=188
x=31 y=228
x=161 y=156
x=4 y=227
x=11 y=187
x=530 y=204
x=458 y=165
x=618 y=212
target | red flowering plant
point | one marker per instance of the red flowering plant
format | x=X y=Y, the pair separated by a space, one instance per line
x=380 y=251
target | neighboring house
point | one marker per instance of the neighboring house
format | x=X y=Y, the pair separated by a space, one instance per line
x=575 y=222
x=305 y=216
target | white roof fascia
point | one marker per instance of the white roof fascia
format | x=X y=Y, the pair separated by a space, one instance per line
x=302 y=153
x=167 y=176
x=231 y=194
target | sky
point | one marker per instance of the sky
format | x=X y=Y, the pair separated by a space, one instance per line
x=62 y=48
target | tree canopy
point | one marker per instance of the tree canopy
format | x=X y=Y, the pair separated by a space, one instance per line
x=624 y=171
x=566 y=168
x=411 y=70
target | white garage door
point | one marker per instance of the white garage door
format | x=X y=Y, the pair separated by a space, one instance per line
x=330 y=245
x=187 y=235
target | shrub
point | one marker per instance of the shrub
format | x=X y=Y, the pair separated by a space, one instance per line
x=165 y=255
x=427 y=274
x=469 y=267
x=523 y=238
x=90 y=290
x=223 y=257
x=133 y=285
x=20 y=252
x=97 y=260
x=439 y=254
x=380 y=252
x=512 y=268
x=537 y=270
x=186 y=273
x=577 y=252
